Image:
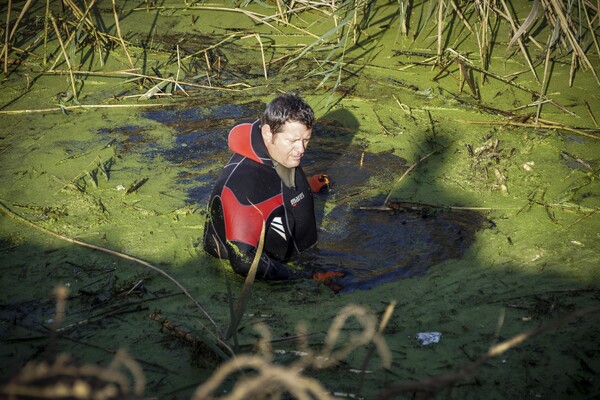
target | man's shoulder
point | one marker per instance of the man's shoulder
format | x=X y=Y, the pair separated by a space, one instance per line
x=249 y=179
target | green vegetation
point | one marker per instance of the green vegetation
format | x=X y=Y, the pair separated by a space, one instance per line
x=113 y=123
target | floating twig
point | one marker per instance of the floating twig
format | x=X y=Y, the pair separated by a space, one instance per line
x=533 y=126
x=412 y=206
x=387 y=198
x=136 y=185
x=589 y=110
x=176 y=330
x=156 y=89
x=78 y=106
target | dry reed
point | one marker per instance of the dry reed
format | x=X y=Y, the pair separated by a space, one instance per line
x=64 y=52
x=121 y=41
x=6 y=39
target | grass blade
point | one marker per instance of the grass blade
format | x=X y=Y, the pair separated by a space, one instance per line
x=242 y=301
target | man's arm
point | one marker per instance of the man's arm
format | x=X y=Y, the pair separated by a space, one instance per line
x=241 y=256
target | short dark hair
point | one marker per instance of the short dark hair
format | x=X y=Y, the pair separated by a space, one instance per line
x=287 y=107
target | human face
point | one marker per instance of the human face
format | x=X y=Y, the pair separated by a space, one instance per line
x=288 y=145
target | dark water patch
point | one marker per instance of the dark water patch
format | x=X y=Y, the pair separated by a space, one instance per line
x=373 y=247
x=200 y=144
x=129 y=137
x=201 y=116
x=198 y=149
x=199 y=156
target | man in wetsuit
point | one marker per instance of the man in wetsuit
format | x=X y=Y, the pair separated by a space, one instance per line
x=263 y=182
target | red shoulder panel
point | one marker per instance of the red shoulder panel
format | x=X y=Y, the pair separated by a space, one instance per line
x=240 y=141
x=243 y=223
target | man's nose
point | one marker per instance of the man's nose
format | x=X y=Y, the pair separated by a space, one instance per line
x=300 y=147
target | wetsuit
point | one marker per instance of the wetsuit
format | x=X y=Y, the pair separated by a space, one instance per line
x=249 y=191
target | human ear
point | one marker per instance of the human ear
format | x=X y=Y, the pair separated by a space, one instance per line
x=266 y=132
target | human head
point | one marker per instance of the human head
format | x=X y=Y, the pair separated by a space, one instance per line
x=287 y=128
x=287 y=107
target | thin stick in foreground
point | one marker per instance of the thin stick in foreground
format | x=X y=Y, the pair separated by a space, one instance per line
x=17 y=217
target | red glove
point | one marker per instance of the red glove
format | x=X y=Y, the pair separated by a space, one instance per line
x=328 y=279
x=318 y=182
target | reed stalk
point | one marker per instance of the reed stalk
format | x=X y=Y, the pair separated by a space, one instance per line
x=461 y=16
x=242 y=301
x=589 y=110
x=21 y=14
x=118 y=27
x=9 y=37
x=178 y=70
x=280 y=7
x=440 y=27
x=76 y=107
x=46 y=19
x=482 y=37
x=82 y=21
x=591 y=26
x=544 y=82
x=262 y=53
x=556 y=7
x=62 y=47
x=519 y=32
x=6 y=33
x=403 y=11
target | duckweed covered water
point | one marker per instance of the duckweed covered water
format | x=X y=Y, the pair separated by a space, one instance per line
x=504 y=236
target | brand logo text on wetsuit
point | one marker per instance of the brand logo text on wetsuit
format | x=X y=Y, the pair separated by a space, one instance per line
x=297 y=199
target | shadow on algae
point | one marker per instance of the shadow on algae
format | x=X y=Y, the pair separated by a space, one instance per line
x=368 y=246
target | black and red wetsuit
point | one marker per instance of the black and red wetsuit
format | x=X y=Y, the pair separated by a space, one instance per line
x=250 y=191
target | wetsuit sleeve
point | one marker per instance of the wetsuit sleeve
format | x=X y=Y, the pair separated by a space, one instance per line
x=241 y=256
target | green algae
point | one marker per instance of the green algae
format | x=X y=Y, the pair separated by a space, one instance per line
x=539 y=262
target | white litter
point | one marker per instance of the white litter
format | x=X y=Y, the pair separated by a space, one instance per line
x=427 y=338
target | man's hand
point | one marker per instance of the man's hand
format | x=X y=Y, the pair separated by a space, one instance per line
x=319 y=182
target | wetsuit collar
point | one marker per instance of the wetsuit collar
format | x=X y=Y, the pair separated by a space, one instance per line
x=287 y=175
x=246 y=140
